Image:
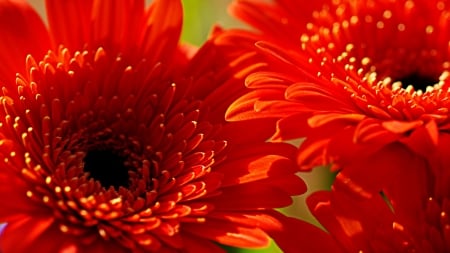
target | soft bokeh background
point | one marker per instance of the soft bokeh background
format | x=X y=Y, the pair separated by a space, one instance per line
x=199 y=17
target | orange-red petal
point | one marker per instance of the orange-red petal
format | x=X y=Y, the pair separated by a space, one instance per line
x=22 y=33
x=69 y=22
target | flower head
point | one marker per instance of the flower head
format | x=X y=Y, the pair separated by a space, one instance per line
x=113 y=139
x=411 y=217
x=366 y=83
x=363 y=74
x=359 y=221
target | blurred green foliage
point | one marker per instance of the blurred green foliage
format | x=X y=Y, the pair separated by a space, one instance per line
x=201 y=15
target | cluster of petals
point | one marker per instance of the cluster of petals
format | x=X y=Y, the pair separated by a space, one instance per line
x=113 y=136
x=365 y=85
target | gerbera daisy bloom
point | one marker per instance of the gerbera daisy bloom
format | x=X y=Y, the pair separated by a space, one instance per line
x=113 y=138
x=363 y=75
x=367 y=84
x=356 y=220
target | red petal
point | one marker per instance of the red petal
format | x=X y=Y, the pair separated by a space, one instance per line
x=292 y=185
x=194 y=244
x=373 y=131
x=250 y=219
x=258 y=162
x=14 y=198
x=116 y=24
x=342 y=226
x=254 y=169
x=384 y=168
x=245 y=132
x=299 y=236
x=268 y=80
x=277 y=19
x=342 y=219
x=29 y=235
x=22 y=32
x=326 y=118
x=228 y=233
x=292 y=127
x=250 y=12
x=401 y=127
x=162 y=29
x=34 y=234
x=343 y=147
x=313 y=152
x=291 y=60
x=99 y=246
x=291 y=6
x=70 y=22
x=410 y=191
x=320 y=97
x=424 y=139
x=261 y=149
x=251 y=196
x=359 y=221
x=244 y=108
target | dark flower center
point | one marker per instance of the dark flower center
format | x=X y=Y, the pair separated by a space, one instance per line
x=418 y=81
x=107 y=167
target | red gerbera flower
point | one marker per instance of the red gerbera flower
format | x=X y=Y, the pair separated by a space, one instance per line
x=113 y=140
x=356 y=220
x=367 y=84
x=364 y=74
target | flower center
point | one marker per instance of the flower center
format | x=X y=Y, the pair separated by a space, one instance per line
x=107 y=167
x=418 y=81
